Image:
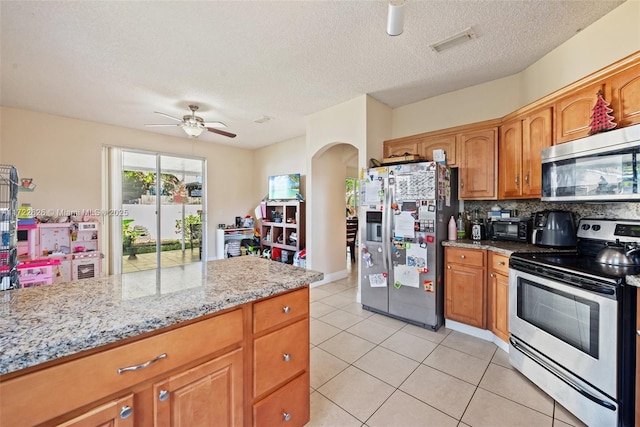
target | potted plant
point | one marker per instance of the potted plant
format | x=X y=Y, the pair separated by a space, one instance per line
x=129 y=234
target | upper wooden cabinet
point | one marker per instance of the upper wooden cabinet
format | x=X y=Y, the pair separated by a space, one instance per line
x=424 y=146
x=519 y=154
x=478 y=175
x=573 y=113
x=400 y=147
x=625 y=96
x=440 y=142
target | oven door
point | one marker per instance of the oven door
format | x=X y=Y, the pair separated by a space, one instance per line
x=569 y=325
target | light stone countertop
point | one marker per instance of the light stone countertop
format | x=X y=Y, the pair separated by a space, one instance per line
x=504 y=248
x=44 y=323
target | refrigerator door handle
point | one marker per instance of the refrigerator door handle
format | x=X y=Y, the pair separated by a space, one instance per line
x=386 y=229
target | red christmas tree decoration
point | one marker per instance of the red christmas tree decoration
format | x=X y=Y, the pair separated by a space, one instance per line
x=601 y=118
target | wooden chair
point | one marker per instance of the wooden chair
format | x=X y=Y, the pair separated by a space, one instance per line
x=352 y=231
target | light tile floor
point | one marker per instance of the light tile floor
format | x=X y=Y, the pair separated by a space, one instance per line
x=372 y=370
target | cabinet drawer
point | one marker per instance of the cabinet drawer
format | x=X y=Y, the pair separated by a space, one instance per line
x=100 y=370
x=470 y=257
x=279 y=356
x=280 y=309
x=287 y=407
x=498 y=263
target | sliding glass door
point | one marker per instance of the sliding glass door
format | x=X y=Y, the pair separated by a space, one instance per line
x=162 y=198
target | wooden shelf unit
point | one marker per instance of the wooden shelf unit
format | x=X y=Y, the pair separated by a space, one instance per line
x=278 y=234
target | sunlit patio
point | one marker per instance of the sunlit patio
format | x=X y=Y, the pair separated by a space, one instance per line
x=168 y=259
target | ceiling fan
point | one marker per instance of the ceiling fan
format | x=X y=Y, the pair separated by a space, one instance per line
x=194 y=125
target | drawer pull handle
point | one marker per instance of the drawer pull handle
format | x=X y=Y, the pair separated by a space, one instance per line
x=286 y=357
x=500 y=262
x=125 y=412
x=163 y=395
x=286 y=416
x=286 y=309
x=142 y=365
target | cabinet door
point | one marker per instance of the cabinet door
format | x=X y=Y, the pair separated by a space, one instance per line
x=445 y=142
x=499 y=305
x=206 y=395
x=638 y=364
x=510 y=160
x=118 y=413
x=537 y=133
x=479 y=164
x=573 y=113
x=465 y=295
x=400 y=148
x=625 y=96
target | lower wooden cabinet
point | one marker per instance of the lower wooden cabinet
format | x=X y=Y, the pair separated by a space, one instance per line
x=498 y=295
x=118 y=413
x=638 y=364
x=208 y=394
x=200 y=374
x=476 y=289
x=465 y=286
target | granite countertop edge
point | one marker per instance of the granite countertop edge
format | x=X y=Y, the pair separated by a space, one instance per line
x=47 y=323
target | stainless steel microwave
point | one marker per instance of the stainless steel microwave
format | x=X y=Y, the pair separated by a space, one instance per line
x=601 y=167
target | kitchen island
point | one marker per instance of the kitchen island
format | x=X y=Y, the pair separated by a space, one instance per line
x=70 y=349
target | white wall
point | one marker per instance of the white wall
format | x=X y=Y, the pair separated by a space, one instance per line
x=611 y=38
x=63 y=156
x=279 y=159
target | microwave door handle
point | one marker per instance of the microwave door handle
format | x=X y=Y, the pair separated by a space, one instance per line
x=562 y=377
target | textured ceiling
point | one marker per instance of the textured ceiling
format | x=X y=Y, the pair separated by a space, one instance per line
x=117 y=62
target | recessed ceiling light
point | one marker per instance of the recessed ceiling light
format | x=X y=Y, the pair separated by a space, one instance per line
x=461 y=37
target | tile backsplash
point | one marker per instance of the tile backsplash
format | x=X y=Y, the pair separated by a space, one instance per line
x=581 y=210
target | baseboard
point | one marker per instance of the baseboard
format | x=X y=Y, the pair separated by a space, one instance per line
x=328 y=278
x=483 y=334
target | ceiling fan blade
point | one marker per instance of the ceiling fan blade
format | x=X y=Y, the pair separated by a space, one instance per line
x=166 y=115
x=163 y=125
x=216 y=125
x=222 y=132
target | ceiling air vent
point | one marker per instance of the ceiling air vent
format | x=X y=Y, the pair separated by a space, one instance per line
x=461 y=37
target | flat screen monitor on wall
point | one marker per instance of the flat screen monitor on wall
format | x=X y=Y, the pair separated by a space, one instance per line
x=284 y=187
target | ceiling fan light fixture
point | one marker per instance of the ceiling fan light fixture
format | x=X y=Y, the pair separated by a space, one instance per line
x=193 y=131
x=395 y=17
x=462 y=37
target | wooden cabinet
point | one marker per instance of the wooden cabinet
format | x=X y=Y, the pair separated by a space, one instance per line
x=625 y=96
x=465 y=286
x=117 y=413
x=284 y=227
x=573 y=113
x=208 y=394
x=498 y=295
x=519 y=154
x=447 y=143
x=400 y=147
x=239 y=367
x=478 y=175
x=281 y=360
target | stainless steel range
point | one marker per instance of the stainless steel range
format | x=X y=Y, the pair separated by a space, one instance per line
x=572 y=321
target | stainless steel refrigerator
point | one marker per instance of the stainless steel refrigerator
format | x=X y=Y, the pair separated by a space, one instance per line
x=406 y=208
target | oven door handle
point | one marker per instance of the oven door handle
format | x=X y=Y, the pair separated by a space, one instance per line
x=561 y=376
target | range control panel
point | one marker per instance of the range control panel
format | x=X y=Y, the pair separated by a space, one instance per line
x=625 y=230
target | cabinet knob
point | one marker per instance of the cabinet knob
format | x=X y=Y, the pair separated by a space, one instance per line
x=492 y=275
x=461 y=183
x=286 y=416
x=163 y=395
x=286 y=309
x=462 y=256
x=126 y=411
x=448 y=267
x=526 y=179
x=286 y=357
x=500 y=262
x=517 y=180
